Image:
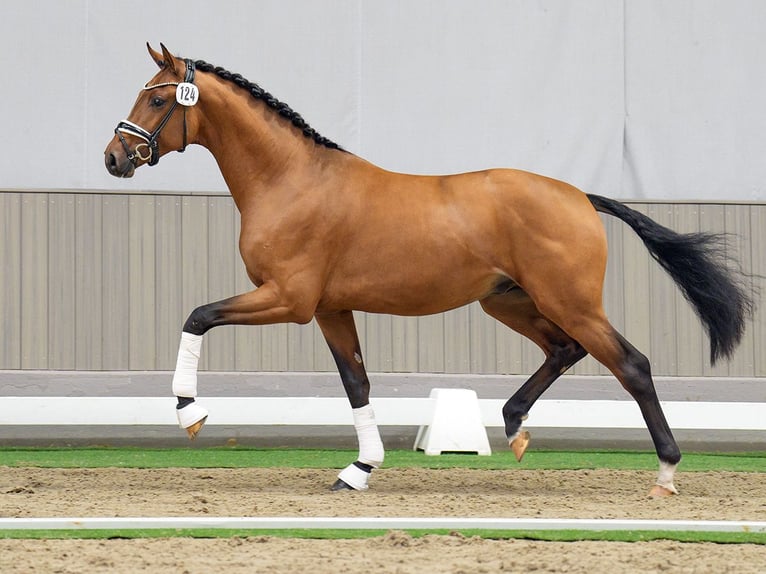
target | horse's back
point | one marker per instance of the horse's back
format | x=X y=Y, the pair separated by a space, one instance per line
x=423 y=244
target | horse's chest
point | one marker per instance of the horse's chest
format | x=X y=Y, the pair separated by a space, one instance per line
x=263 y=257
x=258 y=261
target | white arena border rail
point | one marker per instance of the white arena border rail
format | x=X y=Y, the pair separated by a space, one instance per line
x=111 y=411
x=397 y=523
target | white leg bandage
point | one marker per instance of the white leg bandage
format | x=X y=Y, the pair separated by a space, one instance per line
x=185 y=379
x=371 y=450
x=370 y=446
x=185 y=376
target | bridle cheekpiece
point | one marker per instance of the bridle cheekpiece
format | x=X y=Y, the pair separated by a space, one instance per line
x=186 y=95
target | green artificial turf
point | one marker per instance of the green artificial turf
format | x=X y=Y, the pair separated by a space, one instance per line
x=338 y=534
x=238 y=457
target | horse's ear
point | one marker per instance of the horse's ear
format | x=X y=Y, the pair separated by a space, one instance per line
x=170 y=61
x=164 y=60
x=156 y=56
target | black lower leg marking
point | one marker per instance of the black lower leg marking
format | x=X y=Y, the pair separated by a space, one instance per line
x=354 y=378
x=560 y=359
x=204 y=318
x=637 y=380
x=513 y=417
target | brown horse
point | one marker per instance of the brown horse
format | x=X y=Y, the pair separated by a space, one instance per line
x=324 y=233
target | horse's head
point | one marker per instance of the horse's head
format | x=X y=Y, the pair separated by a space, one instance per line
x=158 y=121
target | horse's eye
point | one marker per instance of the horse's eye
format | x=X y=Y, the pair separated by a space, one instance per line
x=157 y=102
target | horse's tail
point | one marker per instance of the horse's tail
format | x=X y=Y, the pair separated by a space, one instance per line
x=709 y=279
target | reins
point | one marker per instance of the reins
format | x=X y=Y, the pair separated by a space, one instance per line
x=151 y=139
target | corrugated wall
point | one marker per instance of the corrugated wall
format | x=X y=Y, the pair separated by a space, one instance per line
x=104 y=281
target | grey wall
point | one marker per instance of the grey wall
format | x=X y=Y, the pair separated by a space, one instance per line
x=635 y=99
x=104 y=281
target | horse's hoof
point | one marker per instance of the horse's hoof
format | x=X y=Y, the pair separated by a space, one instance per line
x=340 y=485
x=194 y=429
x=659 y=491
x=519 y=445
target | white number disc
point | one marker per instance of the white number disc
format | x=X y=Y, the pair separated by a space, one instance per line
x=187 y=94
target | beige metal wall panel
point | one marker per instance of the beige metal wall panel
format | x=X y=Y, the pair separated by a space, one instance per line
x=142 y=283
x=457 y=343
x=105 y=281
x=167 y=300
x=274 y=342
x=300 y=356
x=34 y=281
x=404 y=336
x=89 y=295
x=10 y=280
x=61 y=282
x=115 y=283
x=431 y=343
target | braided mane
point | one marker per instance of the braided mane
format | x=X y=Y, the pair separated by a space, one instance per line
x=260 y=94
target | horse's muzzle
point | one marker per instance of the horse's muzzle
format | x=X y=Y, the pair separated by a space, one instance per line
x=118 y=164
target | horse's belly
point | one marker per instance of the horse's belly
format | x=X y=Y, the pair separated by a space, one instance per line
x=415 y=292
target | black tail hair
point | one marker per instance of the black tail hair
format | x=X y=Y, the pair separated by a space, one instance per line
x=709 y=279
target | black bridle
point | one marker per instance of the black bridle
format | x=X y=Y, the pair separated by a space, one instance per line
x=151 y=139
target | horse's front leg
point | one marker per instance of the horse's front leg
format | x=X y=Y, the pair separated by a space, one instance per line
x=340 y=333
x=267 y=304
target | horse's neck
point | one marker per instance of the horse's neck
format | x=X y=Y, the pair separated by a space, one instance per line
x=255 y=149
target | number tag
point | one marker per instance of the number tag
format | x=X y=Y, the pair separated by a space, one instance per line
x=187 y=94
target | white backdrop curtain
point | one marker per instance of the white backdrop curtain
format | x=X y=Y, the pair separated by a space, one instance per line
x=646 y=99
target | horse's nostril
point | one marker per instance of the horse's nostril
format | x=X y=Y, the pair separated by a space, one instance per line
x=113 y=165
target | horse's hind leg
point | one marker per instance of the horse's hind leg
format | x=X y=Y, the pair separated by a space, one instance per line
x=516 y=310
x=634 y=373
x=340 y=333
x=592 y=329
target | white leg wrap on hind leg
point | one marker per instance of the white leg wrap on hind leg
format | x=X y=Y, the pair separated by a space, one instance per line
x=185 y=376
x=665 y=476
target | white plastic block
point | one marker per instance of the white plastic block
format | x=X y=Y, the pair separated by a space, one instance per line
x=456 y=425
